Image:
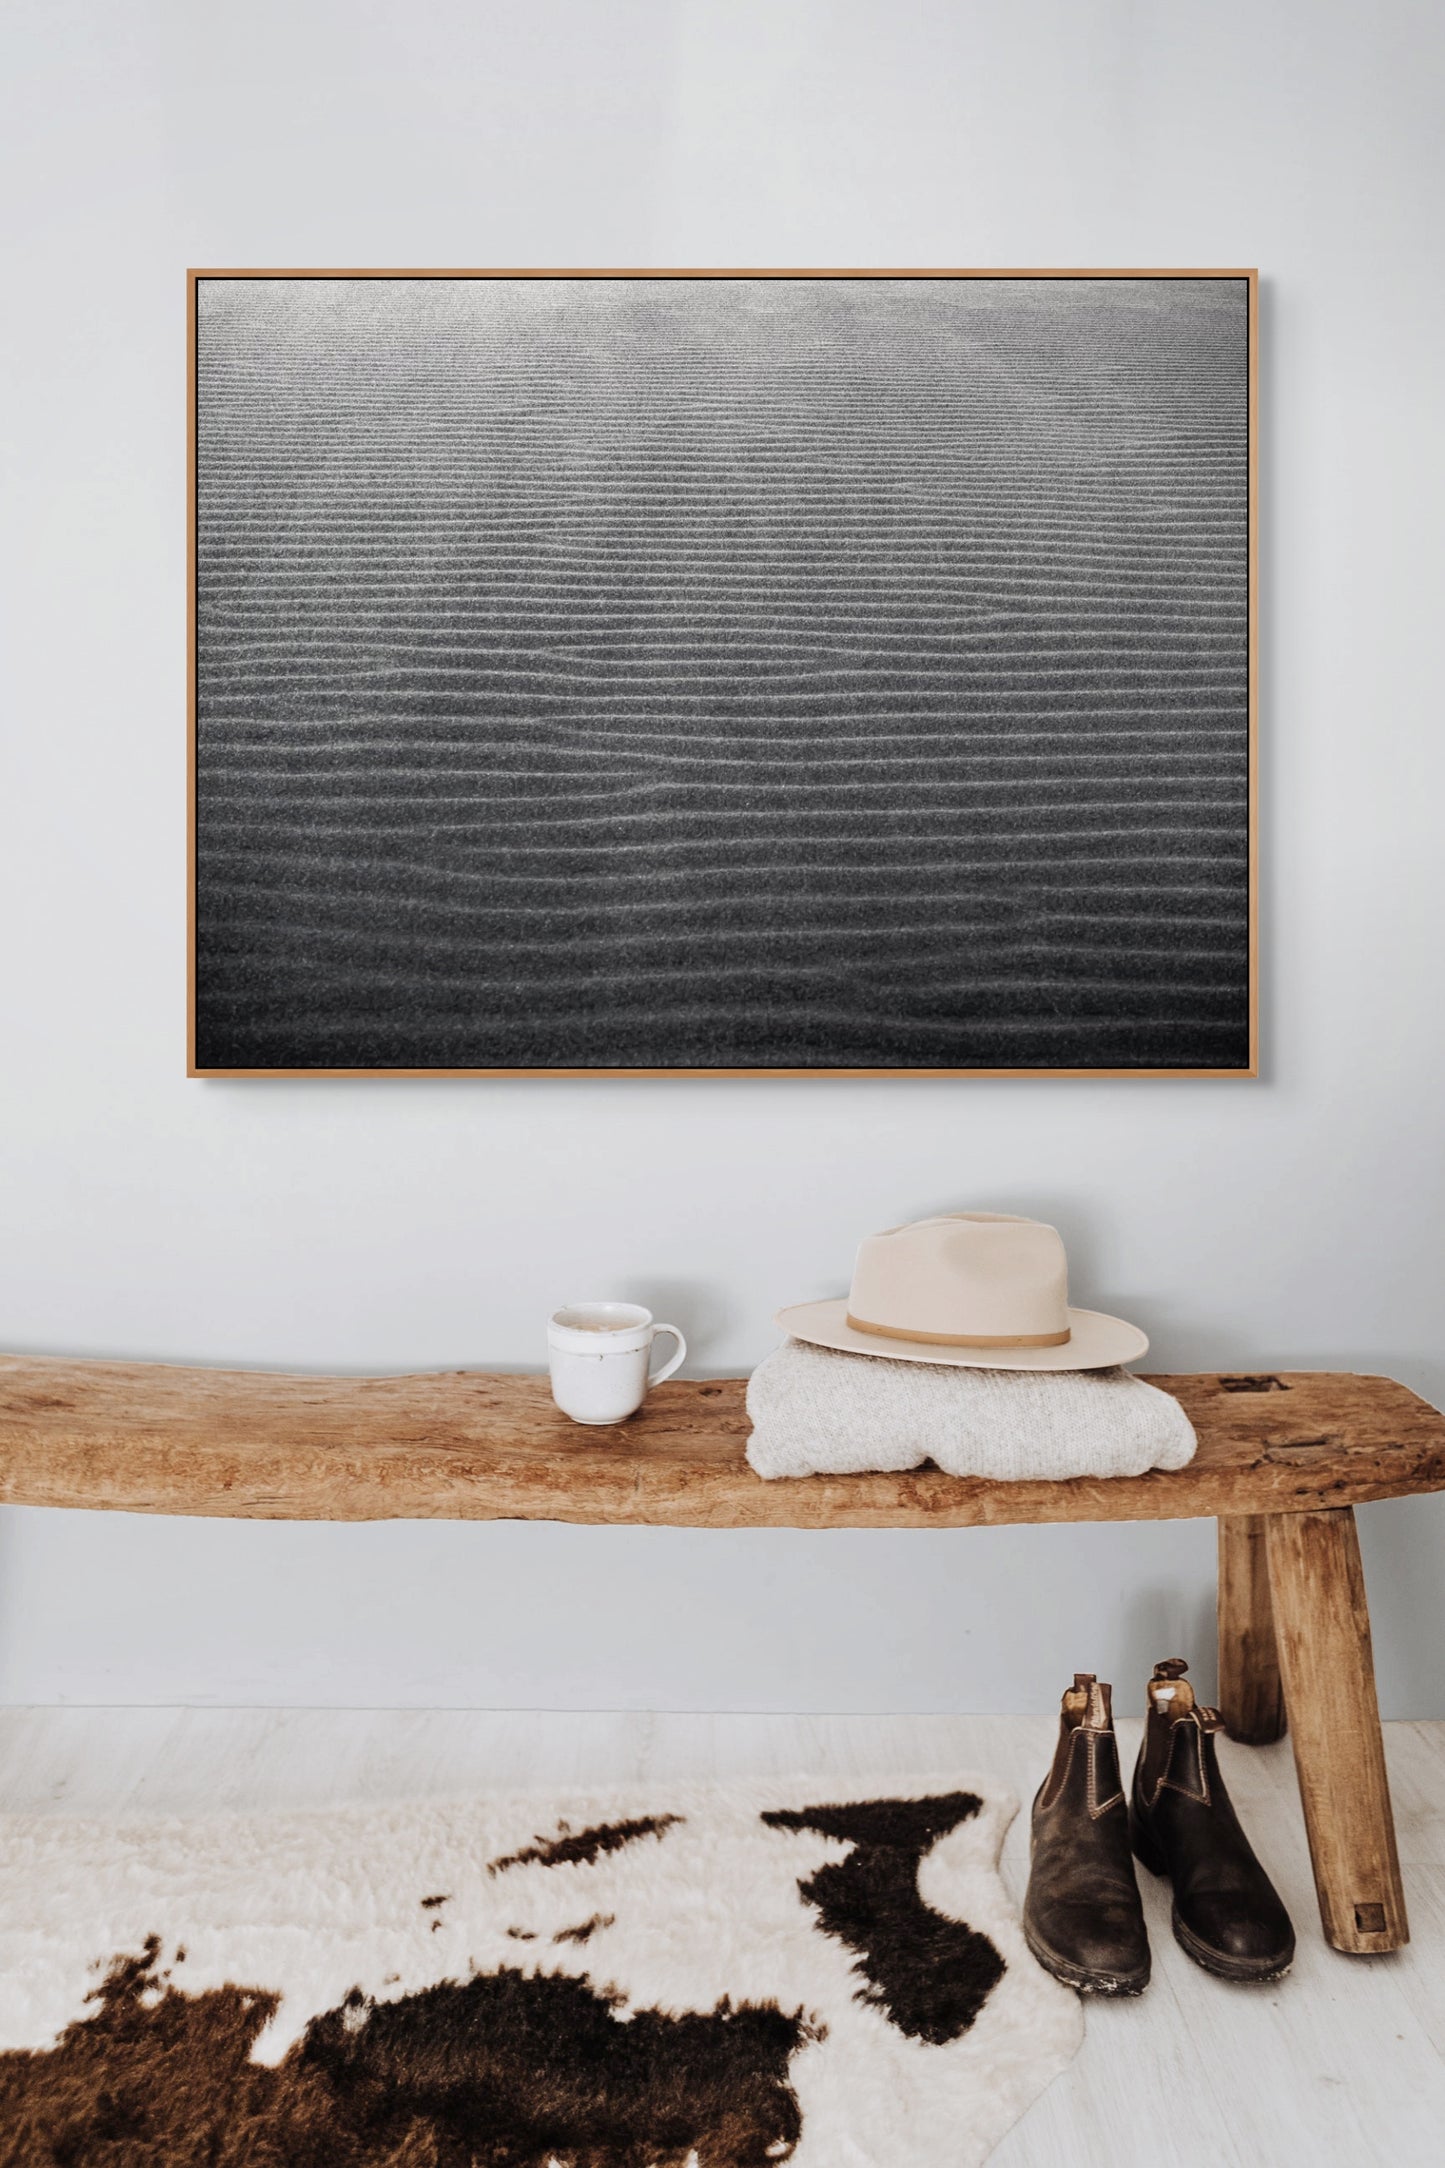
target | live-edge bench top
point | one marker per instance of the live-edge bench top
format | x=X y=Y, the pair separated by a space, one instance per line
x=474 y=1445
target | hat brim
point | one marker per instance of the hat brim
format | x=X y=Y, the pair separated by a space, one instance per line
x=1095 y=1342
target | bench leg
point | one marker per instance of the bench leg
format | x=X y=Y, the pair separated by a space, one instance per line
x=1323 y=1631
x=1251 y=1699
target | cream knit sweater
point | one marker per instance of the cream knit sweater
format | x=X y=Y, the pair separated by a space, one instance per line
x=817 y=1412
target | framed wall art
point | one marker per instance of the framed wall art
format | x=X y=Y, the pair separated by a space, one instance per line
x=726 y=672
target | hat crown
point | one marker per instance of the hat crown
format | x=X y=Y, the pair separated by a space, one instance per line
x=966 y=1279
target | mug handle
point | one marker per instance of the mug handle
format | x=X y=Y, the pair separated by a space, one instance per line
x=655 y=1377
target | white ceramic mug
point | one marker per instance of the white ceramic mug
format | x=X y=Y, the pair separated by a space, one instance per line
x=599 y=1353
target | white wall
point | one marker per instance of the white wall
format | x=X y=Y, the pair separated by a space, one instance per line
x=390 y=1225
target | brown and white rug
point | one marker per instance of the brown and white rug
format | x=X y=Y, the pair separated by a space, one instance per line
x=824 y=1974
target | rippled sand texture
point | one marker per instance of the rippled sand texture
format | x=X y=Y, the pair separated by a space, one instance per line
x=741 y=673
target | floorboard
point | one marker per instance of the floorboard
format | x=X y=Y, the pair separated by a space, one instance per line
x=1341 y=2065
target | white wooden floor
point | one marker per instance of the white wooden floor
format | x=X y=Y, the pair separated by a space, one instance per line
x=1341 y=2065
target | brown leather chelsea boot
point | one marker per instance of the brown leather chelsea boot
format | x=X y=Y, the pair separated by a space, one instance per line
x=1082 y=1915
x=1227 y=1915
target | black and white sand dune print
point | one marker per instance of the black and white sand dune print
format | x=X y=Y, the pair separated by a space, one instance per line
x=730 y=673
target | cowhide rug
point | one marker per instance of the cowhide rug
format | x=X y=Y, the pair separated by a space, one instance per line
x=819 y=1973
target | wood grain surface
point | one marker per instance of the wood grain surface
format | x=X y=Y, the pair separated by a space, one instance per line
x=1322 y=1623
x=1251 y=1697
x=474 y=1445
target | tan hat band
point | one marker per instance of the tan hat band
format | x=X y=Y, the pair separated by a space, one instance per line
x=963 y=1339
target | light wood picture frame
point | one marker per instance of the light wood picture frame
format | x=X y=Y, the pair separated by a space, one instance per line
x=745 y=673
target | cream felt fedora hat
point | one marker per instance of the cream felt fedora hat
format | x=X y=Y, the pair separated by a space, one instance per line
x=982 y=1290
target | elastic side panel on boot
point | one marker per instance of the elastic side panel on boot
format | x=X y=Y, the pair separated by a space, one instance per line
x=1185 y=1770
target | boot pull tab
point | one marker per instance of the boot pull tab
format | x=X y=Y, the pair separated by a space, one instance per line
x=1170 y=1693
x=1099 y=1716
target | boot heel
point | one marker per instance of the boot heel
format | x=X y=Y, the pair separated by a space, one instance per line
x=1146 y=1847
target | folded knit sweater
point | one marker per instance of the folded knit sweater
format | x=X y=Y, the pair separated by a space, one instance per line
x=818 y=1412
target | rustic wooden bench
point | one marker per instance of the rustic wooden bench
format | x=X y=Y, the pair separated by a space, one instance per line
x=1282 y=1462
